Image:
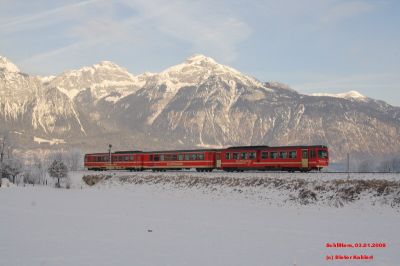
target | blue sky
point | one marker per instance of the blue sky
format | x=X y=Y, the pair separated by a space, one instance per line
x=312 y=45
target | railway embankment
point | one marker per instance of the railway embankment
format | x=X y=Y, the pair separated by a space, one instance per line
x=280 y=190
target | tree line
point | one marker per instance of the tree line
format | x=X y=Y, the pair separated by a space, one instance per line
x=45 y=169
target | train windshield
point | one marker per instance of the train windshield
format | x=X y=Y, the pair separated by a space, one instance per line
x=322 y=154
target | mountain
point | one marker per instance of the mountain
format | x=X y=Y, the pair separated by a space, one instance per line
x=198 y=103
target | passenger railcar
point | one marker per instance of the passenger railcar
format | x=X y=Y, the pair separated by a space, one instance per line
x=286 y=158
x=201 y=160
x=243 y=158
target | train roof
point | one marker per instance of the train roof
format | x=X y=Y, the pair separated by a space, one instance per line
x=168 y=151
x=248 y=147
x=257 y=147
x=261 y=147
x=119 y=152
x=97 y=153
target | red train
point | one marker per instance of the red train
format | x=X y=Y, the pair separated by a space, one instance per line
x=244 y=158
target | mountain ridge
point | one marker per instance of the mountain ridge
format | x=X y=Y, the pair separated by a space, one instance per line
x=197 y=103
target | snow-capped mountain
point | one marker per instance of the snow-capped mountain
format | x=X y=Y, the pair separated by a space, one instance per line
x=103 y=78
x=7 y=65
x=198 y=103
x=27 y=106
x=350 y=95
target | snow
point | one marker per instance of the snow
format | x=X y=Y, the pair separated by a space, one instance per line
x=70 y=93
x=7 y=65
x=345 y=95
x=51 y=142
x=5 y=183
x=103 y=78
x=45 y=79
x=114 y=224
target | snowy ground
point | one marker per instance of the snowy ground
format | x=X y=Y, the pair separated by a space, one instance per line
x=114 y=223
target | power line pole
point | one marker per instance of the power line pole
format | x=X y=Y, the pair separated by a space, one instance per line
x=348 y=165
x=109 y=153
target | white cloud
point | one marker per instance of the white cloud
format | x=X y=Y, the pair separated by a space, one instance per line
x=198 y=24
x=208 y=30
x=48 y=17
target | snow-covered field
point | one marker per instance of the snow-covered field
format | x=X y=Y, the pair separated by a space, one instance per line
x=125 y=223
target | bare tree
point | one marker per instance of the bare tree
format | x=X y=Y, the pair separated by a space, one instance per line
x=74 y=159
x=6 y=145
x=366 y=166
x=384 y=166
x=40 y=169
x=9 y=167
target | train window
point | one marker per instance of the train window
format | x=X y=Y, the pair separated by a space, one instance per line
x=304 y=154
x=264 y=155
x=174 y=157
x=322 y=154
x=227 y=156
x=252 y=155
x=131 y=158
x=283 y=155
x=161 y=157
x=273 y=154
x=236 y=156
x=126 y=158
x=193 y=156
x=200 y=156
x=168 y=157
x=156 y=157
x=243 y=156
x=187 y=157
x=292 y=154
x=313 y=154
x=180 y=157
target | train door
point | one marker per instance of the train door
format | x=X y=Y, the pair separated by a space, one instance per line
x=218 y=159
x=304 y=158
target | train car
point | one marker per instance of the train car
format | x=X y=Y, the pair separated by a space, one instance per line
x=201 y=160
x=120 y=160
x=284 y=158
x=97 y=161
